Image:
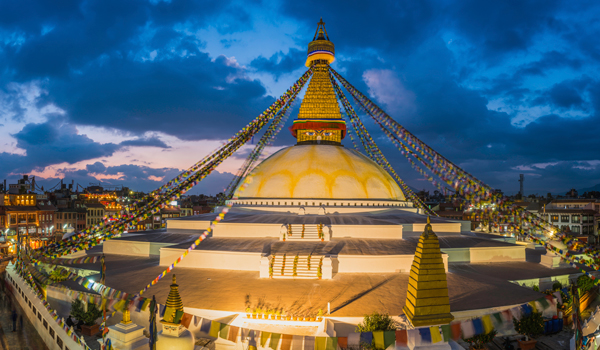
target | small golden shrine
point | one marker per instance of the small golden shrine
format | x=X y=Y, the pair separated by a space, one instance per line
x=173 y=312
x=427 y=302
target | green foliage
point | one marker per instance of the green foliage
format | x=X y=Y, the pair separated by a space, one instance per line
x=480 y=340
x=376 y=322
x=536 y=288
x=530 y=325
x=58 y=275
x=557 y=286
x=585 y=284
x=88 y=317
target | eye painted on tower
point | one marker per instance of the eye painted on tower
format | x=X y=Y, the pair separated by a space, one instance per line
x=310 y=133
x=327 y=133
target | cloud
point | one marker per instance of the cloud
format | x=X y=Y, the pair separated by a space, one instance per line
x=280 y=63
x=146 y=142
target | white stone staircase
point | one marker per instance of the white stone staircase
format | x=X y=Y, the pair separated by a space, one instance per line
x=285 y=263
x=304 y=232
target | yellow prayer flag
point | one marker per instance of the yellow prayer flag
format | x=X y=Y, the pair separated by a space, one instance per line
x=487 y=324
x=436 y=337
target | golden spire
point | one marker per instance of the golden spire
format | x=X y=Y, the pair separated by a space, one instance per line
x=427 y=302
x=319 y=119
x=174 y=302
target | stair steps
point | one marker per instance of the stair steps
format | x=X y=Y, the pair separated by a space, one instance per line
x=302 y=270
x=311 y=233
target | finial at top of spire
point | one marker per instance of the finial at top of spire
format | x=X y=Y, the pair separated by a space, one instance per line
x=428 y=222
x=174 y=280
x=321 y=33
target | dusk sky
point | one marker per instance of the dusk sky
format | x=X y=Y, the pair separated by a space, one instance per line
x=132 y=92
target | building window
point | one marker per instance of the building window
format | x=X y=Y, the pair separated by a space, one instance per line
x=59 y=342
x=45 y=324
x=51 y=331
x=564 y=218
x=585 y=229
x=554 y=218
x=575 y=218
x=39 y=316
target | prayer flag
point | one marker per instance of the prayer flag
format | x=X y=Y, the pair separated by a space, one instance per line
x=435 y=334
x=413 y=338
x=274 y=340
x=264 y=336
x=297 y=342
x=233 y=333
x=467 y=328
x=320 y=343
x=286 y=341
x=224 y=331
x=342 y=343
x=487 y=324
x=309 y=343
x=196 y=320
x=332 y=343
x=401 y=338
x=186 y=320
x=215 y=327
x=425 y=335
x=366 y=338
x=178 y=317
x=353 y=340
x=205 y=327
x=478 y=325
x=447 y=332
x=377 y=339
x=389 y=338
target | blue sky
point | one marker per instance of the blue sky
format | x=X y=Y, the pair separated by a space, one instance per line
x=131 y=92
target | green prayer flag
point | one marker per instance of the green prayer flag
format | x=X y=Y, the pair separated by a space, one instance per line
x=544 y=302
x=331 y=343
x=389 y=338
x=224 y=331
x=498 y=318
x=274 y=340
x=378 y=339
x=320 y=343
x=264 y=336
x=447 y=332
x=178 y=316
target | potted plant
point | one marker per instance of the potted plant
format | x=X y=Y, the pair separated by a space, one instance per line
x=308 y=261
x=277 y=314
x=248 y=312
x=530 y=326
x=478 y=342
x=259 y=312
x=320 y=315
x=88 y=317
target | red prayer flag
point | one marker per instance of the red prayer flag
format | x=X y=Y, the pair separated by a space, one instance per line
x=286 y=341
x=401 y=338
x=342 y=342
x=456 y=331
x=186 y=319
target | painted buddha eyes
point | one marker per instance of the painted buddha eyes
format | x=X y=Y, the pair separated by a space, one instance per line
x=318 y=132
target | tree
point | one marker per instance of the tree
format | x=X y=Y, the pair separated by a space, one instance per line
x=88 y=317
x=376 y=322
x=530 y=325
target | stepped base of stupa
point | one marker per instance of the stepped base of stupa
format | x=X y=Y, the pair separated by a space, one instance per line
x=284 y=244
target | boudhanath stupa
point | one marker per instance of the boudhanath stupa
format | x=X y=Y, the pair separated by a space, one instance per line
x=319 y=235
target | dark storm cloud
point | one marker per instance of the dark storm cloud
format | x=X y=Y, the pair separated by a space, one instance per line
x=192 y=98
x=56 y=142
x=280 y=63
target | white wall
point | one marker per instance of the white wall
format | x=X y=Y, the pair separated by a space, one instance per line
x=367 y=231
x=41 y=310
x=485 y=254
x=208 y=259
x=122 y=247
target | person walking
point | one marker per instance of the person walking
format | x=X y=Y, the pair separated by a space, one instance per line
x=14 y=319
